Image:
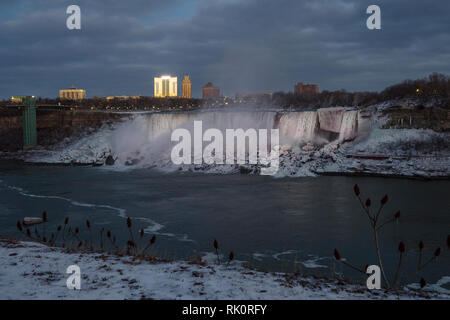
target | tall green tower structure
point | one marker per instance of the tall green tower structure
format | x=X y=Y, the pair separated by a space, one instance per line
x=29 y=122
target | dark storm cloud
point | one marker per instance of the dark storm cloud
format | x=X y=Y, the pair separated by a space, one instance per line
x=243 y=46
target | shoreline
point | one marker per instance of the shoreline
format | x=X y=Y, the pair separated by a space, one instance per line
x=318 y=173
x=35 y=271
x=384 y=175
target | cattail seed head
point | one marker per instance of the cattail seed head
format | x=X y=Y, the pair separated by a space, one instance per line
x=44 y=216
x=141 y=233
x=58 y=229
x=108 y=234
x=76 y=230
x=231 y=256
x=356 y=190
x=216 y=244
x=368 y=202
x=337 y=255
x=437 y=252
x=401 y=247
x=397 y=215
x=66 y=220
x=153 y=239
x=128 y=222
x=131 y=243
x=88 y=224
x=423 y=283
x=80 y=244
x=28 y=233
x=19 y=226
x=44 y=239
x=421 y=245
x=384 y=200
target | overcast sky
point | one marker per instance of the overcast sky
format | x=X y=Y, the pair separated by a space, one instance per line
x=241 y=46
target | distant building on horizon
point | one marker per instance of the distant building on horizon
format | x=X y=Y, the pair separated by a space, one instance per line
x=17 y=99
x=210 y=91
x=187 y=88
x=72 y=94
x=306 y=89
x=166 y=86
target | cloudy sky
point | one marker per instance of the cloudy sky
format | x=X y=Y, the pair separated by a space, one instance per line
x=241 y=46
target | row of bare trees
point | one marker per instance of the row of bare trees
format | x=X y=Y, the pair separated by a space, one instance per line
x=435 y=85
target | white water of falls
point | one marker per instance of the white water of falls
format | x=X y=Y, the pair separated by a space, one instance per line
x=145 y=140
x=330 y=119
x=299 y=126
x=349 y=126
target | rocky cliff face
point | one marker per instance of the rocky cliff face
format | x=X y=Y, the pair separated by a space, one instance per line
x=437 y=119
x=52 y=126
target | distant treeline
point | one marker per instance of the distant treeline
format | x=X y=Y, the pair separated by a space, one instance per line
x=324 y=99
x=435 y=85
x=118 y=104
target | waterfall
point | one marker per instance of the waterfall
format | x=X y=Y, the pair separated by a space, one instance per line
x=145 y=140
x=349 y=126
x=295 y=126
x=158 y=124
x=300 y=126
x=149 y=135
x=330 y=119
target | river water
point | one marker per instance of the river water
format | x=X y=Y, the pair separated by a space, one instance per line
x=272 y=224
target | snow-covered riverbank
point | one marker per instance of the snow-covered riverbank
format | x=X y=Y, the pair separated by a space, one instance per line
x=392 y=152
x=34 y=271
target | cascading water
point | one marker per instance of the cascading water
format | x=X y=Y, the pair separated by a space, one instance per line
x=349 y=126
x=330 y=119
x=145 y=140
x=299 y=126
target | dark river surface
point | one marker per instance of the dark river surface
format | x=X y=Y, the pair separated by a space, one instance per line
x=273 y=224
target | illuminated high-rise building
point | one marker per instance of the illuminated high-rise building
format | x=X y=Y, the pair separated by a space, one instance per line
x=166 y=86
x=72 y=94
x=187 y=87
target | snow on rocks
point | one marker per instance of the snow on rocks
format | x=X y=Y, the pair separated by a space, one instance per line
x=393 y=152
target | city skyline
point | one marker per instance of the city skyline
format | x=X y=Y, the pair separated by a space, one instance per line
x=256 y=46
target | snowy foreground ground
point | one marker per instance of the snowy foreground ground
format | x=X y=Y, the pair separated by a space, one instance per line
x=33 y=271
